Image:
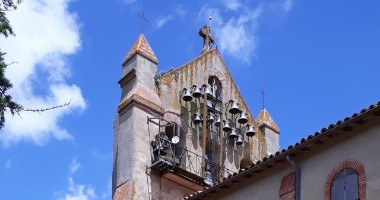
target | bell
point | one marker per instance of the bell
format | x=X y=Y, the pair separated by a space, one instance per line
x=210 y=117
x=196 y=92
x=250 y=132
x=187 y=96
x=217 y=123
x=234 y=108
x=162 y=151
x=226 y=126
x=197 y=118
x=233 y=134
x=239 y=141
x=208 y=91
x=243 y=118
x=159 y=150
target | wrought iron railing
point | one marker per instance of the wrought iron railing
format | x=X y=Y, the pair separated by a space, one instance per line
x=190 y=162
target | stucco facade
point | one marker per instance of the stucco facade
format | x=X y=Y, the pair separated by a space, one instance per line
x=349 y=144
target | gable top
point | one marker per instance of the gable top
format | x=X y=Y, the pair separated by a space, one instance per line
x=189 y=68
x=264 y=119
x=142 y=47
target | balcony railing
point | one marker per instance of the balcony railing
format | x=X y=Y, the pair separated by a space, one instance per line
x=171 y=157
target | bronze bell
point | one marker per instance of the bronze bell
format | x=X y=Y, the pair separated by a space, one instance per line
x=187 y=96
x=243 y=118
x=217 y=123
x=239 y=141
x=196 y=92
x=234 y=108
x=208 y=90
x=250 y=132
x=210 y=118
x=226 y=126
x=197 y=118
x=233 y=134
x=162 y=150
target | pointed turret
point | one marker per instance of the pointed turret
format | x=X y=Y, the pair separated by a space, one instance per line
x=264 y=119
x=142 y=47
x=139 y=100
x=270 y=130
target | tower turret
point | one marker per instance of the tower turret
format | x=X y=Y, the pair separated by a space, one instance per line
x=270 y=131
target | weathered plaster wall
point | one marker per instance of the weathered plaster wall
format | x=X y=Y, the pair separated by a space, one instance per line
x=197 y=72
x=361 y=144
x=272 y=140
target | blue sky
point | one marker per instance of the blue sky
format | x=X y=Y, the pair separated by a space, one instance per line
x=319 y=61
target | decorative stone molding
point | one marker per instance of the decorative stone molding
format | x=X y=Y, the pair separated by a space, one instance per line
x=127 y=78
x=347 y=164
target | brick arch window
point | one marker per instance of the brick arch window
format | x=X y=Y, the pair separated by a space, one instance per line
x=347 y=179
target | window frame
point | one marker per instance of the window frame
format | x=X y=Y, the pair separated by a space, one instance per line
x=347 y=164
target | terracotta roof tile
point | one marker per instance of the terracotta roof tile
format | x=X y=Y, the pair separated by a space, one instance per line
x=142 y=47
x=264 y=119
x=311 y=139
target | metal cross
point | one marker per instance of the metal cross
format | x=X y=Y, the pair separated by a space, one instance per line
x=142 y=21
x=264 y=94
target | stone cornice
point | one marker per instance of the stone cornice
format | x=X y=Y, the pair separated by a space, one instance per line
x=127 y=78
x=141 y=103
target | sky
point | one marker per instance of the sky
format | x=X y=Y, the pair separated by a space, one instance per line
x=318 y=61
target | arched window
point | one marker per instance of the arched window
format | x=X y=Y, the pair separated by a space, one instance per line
x=347 y=181
x=345 y=185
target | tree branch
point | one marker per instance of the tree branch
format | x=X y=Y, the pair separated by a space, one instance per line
x=46 y=109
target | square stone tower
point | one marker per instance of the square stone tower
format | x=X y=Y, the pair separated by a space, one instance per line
x=180 y=131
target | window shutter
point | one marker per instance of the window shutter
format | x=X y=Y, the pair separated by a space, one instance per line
x=351 y=187
x=337 y=190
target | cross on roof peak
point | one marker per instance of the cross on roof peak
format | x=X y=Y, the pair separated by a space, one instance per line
x=262 y=91
x=142 y=21
x=208 y=38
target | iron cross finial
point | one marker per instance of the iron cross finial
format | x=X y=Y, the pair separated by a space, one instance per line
x=142 y=21
x=263 y=94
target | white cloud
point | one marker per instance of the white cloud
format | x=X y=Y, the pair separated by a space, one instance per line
x=235 y=24
x=79 y=192
x=179 y=12
x=74 y=166
x=46 y=34
x=236 y=36
x=232 y=4
x=163 y=20
x=76 y=191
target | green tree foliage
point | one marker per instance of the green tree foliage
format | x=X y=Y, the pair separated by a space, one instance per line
x=5 y=26
x=6 y=102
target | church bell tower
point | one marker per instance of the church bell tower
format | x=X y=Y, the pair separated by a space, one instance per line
x=182 y=130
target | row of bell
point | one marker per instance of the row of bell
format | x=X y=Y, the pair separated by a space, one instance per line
x=187 y=96
x=197 y=118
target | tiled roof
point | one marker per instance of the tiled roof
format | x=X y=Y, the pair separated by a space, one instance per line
x=264 y=119
x=317 y=137
x=142 y=47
